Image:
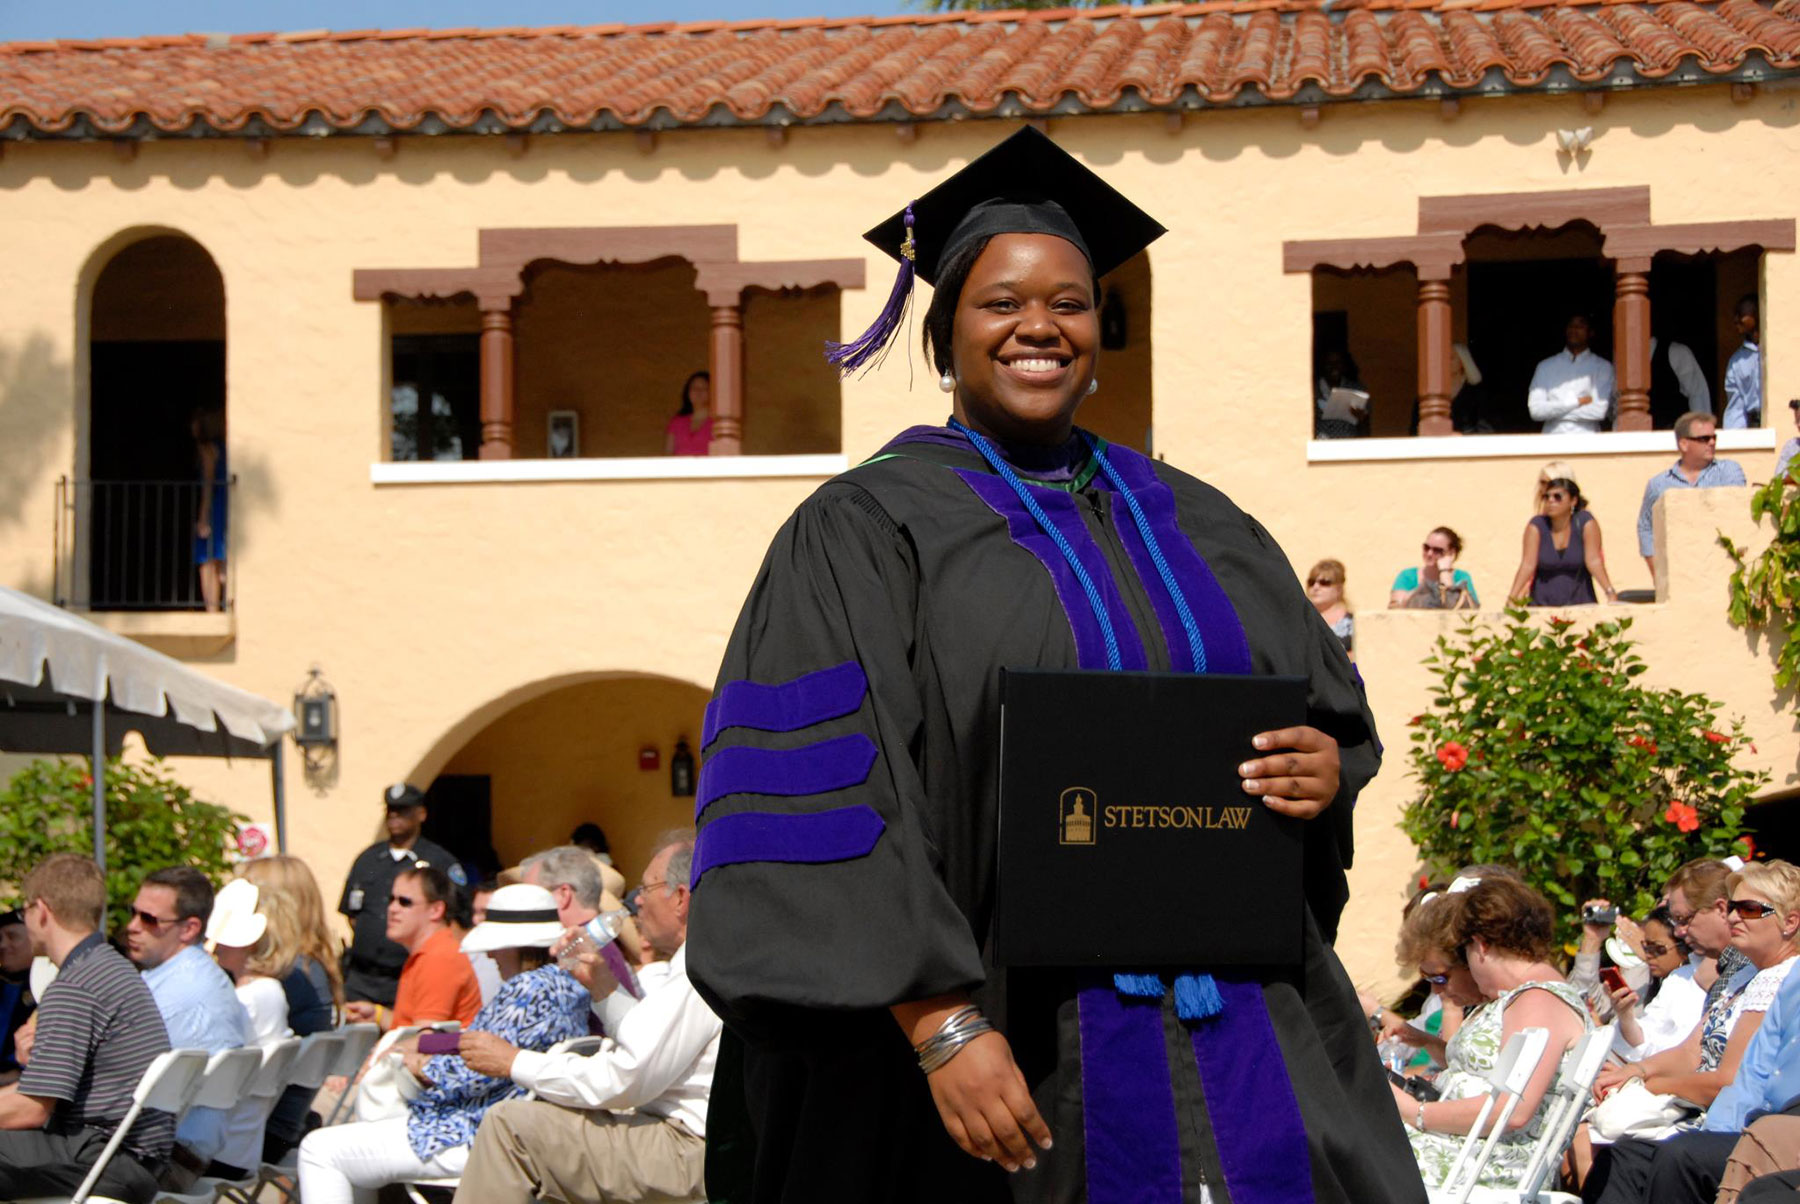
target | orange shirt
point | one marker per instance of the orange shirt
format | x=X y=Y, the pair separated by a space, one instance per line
x=437 y=983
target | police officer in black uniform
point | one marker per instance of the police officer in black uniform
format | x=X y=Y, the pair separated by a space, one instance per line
x=372 y=966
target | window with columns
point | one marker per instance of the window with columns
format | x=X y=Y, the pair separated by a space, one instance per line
x=1443 y=328
x=585 y=339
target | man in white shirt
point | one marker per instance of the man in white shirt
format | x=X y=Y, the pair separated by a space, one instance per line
x=628 y=1123
x=1573 y=391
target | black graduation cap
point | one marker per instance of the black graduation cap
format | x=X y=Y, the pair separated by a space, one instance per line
x=1025 y=185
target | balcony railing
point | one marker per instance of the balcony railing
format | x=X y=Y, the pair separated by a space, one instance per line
x=130 y=545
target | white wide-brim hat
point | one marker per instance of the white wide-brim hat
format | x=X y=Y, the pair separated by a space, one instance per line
x=234 y=922
x=521 y=916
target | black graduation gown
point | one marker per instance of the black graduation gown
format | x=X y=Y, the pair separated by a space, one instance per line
x=867 y=659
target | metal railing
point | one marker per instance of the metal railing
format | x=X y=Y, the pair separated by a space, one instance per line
x=130 y=545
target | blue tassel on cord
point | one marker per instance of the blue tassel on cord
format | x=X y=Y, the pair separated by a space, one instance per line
x=868 y=347
x=1197 y=997
x=1139 y=986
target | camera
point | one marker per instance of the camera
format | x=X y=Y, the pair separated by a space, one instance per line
x=1599 y=915
x=1420 y=1089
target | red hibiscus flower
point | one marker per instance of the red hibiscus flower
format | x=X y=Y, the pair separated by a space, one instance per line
x=1415 y=721
x=1715 y=737
x=1424 y=881
x=1749 y=843
x=87 y=781
x=1648 y=746
x=1683 y=817
x=1453 y=756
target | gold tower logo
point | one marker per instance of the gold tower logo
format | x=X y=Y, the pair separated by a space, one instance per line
x=1075 y=816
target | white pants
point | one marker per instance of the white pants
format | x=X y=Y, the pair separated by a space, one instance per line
x=344 y=1164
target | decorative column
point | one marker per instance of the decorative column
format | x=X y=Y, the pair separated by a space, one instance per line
x=727 y=366
x=1434 y=349
x=1631 y=342
x=496 y=384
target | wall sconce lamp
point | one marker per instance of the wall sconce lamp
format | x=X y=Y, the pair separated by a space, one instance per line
x=316 y=720
x=681 y=770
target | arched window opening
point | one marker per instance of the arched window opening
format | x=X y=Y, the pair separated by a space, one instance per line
x=158 y=489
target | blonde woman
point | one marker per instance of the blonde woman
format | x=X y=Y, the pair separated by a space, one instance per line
x=1764 y=907
x=296 y=950
x=1325 y=588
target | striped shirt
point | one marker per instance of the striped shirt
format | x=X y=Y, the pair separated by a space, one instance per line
x=98 y=1030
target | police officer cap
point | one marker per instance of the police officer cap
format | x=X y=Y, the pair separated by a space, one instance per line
x=401 y=795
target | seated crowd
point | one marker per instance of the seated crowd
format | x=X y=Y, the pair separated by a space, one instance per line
x=444 y=1095
x=1699 y=1096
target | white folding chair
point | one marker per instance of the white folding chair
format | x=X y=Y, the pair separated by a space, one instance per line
x=1569 y=1101
x=1518 y=1061
x=361 y=1043
x=224 y=1085
x=320 y=1055
x=167 y=1085
x=258 y=1089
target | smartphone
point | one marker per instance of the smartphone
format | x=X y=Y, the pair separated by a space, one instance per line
x=440 y=1043
x=1614 y=980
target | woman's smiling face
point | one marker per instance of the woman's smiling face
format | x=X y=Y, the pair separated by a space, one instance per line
x=1024 y=338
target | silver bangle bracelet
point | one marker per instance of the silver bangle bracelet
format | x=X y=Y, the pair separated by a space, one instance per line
x=958 y=1029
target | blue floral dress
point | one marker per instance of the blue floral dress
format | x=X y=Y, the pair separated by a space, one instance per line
x=533 y=1010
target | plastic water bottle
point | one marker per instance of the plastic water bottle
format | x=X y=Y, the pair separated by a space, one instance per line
x=1394 y=1054
x=592 y=937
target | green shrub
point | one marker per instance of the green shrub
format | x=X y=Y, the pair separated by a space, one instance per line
x=1542 y=752
x=152 y=821
x=1765 y=591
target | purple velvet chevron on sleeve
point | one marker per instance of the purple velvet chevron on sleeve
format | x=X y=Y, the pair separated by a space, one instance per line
x=817 y=768
x=809 y=838
x=806 y=701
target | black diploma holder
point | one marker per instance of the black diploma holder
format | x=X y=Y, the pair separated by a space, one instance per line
x=1126 y=838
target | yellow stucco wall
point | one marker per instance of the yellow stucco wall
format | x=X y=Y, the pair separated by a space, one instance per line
x=434 y=609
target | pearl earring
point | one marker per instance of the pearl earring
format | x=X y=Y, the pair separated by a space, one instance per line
x=947 y=383
x=1093 y=386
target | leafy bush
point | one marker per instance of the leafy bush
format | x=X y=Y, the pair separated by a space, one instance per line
x=1765 y=592
x=1541 y=752
x=152 y=821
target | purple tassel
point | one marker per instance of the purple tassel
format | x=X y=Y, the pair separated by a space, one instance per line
x=869 y=347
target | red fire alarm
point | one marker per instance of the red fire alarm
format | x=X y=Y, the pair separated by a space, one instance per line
x=649 y=758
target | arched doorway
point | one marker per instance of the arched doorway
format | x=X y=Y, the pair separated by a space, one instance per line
x=156 y=358
x=1120 y=411
x=575 y=750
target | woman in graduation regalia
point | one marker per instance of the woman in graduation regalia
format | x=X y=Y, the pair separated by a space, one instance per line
x=844 y=874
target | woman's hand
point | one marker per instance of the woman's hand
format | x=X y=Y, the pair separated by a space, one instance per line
x=203 y=528
x=414 y=1062
x=1613 y=1076
x=982 y=1100
x=1624 y=1002
x=1300 y=777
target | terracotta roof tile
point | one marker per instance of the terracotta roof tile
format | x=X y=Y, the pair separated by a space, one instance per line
x=606 y=76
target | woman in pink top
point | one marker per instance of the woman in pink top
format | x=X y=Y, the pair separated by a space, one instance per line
x=689 y=433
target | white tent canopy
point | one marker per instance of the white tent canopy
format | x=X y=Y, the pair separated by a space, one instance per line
x=68 y=686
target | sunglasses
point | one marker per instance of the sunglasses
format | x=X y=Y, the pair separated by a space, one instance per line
x=1657 y=948
x=1556 y=495
x=1701 y=438
x=403 y=900
x=1436 y=980
x=1749 y=909
x=1312 y=581
x=154 y=923
x=1432 y=549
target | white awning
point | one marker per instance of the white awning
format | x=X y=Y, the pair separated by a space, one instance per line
x=51 y=660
